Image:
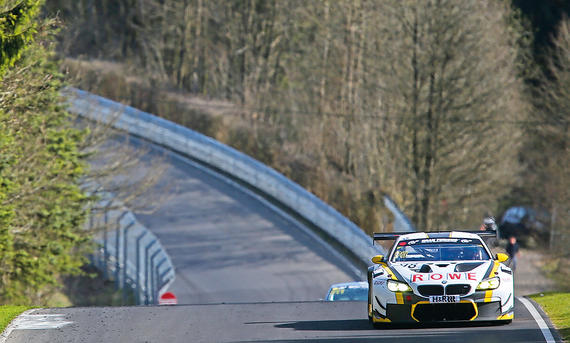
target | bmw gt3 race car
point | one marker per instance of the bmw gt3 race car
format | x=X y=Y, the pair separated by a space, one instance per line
x=439 y=277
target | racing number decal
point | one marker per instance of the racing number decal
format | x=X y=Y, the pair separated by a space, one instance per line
x=410 y=265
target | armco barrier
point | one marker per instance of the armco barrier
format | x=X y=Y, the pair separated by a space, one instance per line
x=401 y=222
x=230 y=161
x=129 y=253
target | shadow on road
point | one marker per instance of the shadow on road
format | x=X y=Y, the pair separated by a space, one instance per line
x=362 y=324
x=327 y=325
x=346 y=332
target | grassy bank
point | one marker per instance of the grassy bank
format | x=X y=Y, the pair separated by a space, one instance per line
x=557 y=306
x=9 y=312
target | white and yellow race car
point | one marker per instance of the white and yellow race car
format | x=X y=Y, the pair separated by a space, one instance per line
x=439 y=277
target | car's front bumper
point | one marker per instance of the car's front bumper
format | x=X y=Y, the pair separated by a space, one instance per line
x=426 y=312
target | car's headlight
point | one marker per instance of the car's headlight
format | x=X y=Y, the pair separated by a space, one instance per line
x=396 y=286
x=492 y=283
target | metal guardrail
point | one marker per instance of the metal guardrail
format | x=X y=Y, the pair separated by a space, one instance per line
x=228 y=160
x=129 y=253
x=401 y=222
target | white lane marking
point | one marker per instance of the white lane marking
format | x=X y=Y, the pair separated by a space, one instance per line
x=11 y=327
x=40 y=321
x=267 y=203
x=29 y=321
x=538 y=318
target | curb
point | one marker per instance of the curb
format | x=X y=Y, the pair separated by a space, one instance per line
x=553 y=331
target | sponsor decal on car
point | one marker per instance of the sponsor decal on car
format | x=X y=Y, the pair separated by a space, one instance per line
x=446 y=276
x=440 y=240
x=436 y=299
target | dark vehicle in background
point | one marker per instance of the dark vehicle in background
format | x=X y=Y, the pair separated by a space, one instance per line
x=348 y=291
x=524 y=223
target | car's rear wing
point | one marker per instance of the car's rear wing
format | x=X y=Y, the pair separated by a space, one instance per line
x=391 y=236
x=483 y=233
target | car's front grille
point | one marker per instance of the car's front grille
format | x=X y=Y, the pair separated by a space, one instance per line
x=427 y=290
x=443 y=312
x=461 y=289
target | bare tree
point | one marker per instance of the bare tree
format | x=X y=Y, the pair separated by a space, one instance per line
x=549 y=146
x=447 y=78
x=352 y=98
x=124 y=168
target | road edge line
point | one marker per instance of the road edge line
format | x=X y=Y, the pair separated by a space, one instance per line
x=544 y=328
x=6 y=333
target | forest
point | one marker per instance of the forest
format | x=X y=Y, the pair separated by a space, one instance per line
x=454 y=109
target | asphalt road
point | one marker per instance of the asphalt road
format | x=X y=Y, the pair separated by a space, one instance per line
x=246 y=274
x=227 y=245
x=321 y=322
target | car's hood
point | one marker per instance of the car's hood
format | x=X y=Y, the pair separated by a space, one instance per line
x=430 y=273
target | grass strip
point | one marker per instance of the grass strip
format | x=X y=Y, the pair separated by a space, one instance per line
x=557 y=307
x=9 y=312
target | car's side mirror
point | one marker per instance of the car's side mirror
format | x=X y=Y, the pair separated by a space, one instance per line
x=378 y=259
x=501 y=257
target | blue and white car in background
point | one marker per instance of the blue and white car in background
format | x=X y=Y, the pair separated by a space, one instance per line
x=348 y=291
x=439 y=277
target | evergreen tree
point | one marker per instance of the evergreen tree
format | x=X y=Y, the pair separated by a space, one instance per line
x=42 y=208
x=17 y=28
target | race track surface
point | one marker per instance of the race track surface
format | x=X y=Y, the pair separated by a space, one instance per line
x=227 y=246
x=246 y=273
x=331 y=322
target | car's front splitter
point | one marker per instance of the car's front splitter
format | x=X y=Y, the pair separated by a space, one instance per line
x=425 y=312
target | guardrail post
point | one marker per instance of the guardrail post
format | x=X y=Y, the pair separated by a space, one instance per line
x=106 y=238
x=146 y=271
x=96 y=259
x=157 y=276
x=163 y=283
x=118 y=251
x=152 y=281
x=138 y=267
x=105 y=251
x=125 y=258
x=161 y=278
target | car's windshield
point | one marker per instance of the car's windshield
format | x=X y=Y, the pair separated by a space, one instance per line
x=348 y=294
x=440 y=249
